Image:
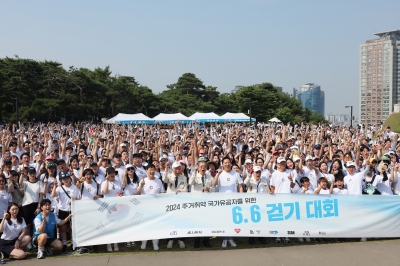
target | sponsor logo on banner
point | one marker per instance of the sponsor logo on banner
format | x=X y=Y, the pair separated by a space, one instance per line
x=218 y=231
x=237 y=230
x=322 y=233
x=290 y=232
x=258 y=231
x=273 y=232
x=195 y=232
x=251 y=232
x=173 y=233
x=306 y=233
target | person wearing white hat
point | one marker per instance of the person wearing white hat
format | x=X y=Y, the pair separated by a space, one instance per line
x=282 y=182
x=311 y=172
x=176 y=182
x=353 y=181
x=201 y=182
x=228 y=181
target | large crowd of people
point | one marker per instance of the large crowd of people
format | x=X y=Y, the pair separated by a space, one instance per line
x=46 y=166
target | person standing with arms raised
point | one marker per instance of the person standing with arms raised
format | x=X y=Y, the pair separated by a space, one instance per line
x=228 y=182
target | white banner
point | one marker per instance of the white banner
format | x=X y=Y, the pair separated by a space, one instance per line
x=134 y=218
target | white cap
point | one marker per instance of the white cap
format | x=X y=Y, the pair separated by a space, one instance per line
x=176 y=164
x=208 y=141
x=294 y=148
x=248 y=161
x=256 y=168
x=281 y=159
x=350 y=163
x=215 y=147
x=296 y=158
x=128 y=166
x=123 y=145
x=251 y=139
x=292 y=137
x=37 y=154
x=138 y=141
x=309 y=157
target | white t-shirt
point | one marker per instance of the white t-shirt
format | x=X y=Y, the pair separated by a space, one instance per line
x=88 y=191
x=308 y=191
x=113 y=188
x=312 y=176
x=340 y=191
x=323 y=191
x=152 y=186
x=99 y=178
x=396 y=182
x=64 y=202
x=228 y=182
x=5 y=198
x=11 y=232
x=130 y=189
x=38 y=223
x=384 y=187
x=32 y=192
x=280 y=180
x=354 y=182
x=141 y=173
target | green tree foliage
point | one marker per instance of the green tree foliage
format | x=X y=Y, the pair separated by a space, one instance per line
x=48 y=92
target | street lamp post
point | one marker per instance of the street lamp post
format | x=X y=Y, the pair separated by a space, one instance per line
x=351 y=114
x=249 y=112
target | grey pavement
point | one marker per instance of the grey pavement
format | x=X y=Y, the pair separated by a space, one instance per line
x=358 y=253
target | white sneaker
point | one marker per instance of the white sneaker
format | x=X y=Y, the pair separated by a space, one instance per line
x=308 y=240
x=224 y=243
x=155 y=244
x=233 y=244
x=181 y=244
x=116 y=247
x=29 y=246
x=40 y=254
x=144 y=243
x=364 y=239
x=109 y=248
x=170 y=243
x=278 y=240
x=286 y=240
x=301 y=240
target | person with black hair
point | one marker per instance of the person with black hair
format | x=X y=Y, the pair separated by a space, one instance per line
x=14 y=237
x=45 y=224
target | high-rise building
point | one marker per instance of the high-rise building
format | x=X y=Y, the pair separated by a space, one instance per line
x=311 y=97
x=379 y=77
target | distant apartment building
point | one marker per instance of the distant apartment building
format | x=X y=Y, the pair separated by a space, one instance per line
x=379 y=89
x=311 y=97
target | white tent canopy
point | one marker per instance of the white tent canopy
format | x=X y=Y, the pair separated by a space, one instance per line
x=276 y=120
x=129 y=119
x=206 y=117
x=171 y=119
x=236 y=117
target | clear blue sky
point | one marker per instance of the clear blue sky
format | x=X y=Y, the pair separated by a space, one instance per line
x=225 y=43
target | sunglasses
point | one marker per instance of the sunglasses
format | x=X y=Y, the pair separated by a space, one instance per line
x=130 y=169
x=2 y=181
x=65 y=175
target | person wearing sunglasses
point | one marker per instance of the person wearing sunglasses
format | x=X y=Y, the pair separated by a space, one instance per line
x=32 y=196
x=130 y=184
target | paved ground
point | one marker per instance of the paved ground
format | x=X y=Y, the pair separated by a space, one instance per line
x=369 y=253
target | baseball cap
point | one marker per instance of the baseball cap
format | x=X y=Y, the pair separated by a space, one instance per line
x=248 y=161
x=50 y=165
x=93 y=164
x=176 y=164
x=317 y=146
x=139 y=141
x=122 y=145
x=201 y=151
x=215 y=147
x=256 y=168
x=251 y=140
x=296 y=158
x=294 y=148
x=128 y=166
x=350 y=164
x=116 y=155
x=13 y=173
x=31 y=170
x=309 y=157
x=281 y=159
x=162 y=159
x=49 y=158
